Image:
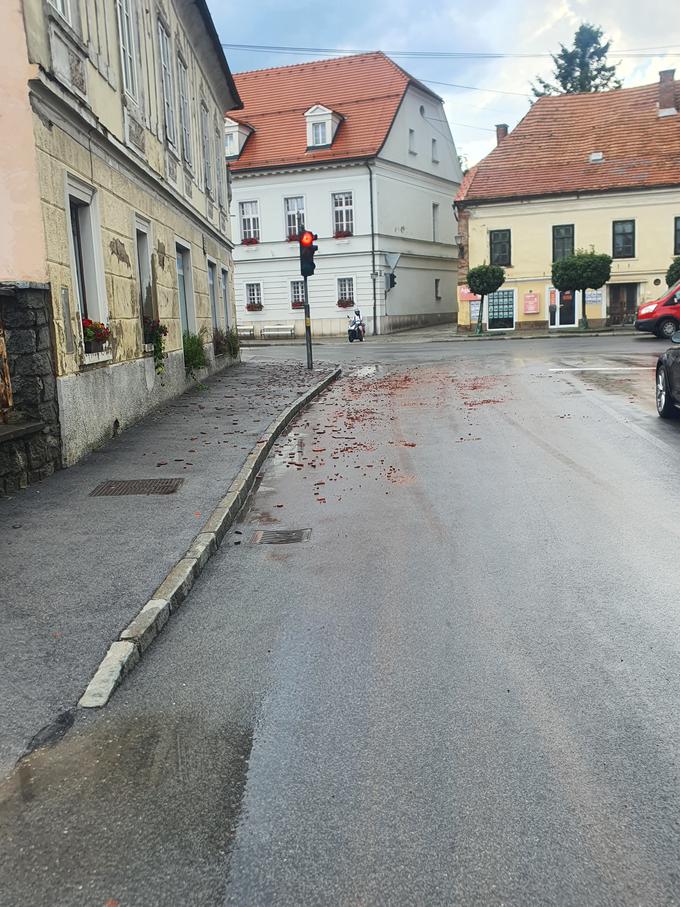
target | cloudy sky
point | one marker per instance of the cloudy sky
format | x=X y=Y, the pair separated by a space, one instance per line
x=531 y=27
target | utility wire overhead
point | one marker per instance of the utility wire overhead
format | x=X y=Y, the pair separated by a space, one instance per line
x=438 y=55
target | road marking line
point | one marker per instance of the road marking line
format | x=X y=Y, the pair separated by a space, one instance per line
x=605 y=368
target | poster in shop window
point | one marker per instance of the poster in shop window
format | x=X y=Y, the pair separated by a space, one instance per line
x=532 y=303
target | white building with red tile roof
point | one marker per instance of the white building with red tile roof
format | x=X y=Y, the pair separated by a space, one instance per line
x=359 y=152
x=580 y=170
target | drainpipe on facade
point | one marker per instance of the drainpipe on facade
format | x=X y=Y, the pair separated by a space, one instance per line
x=373 y=273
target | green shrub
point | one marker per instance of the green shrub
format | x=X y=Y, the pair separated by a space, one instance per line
x=226 y=342
x=194 y=352
x=233 y=344
x=673 y=273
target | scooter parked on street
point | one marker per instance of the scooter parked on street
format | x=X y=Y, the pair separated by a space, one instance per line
x=357 y=328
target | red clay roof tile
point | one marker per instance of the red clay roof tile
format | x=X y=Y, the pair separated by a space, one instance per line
x=548 y=152
x=365 y=89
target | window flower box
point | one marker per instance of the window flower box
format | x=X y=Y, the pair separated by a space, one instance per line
x=254 y=307
x=297 y=305
x=342 y=234
x=345 y=303
x=250 y=241
x=96 y=335
x=293 y=237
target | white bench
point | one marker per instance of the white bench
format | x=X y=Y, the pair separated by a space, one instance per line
x=277 y=330
x=246 y=330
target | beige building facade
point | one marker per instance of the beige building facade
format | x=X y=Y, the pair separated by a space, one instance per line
x=594 y=171
x=536 y=229
x=116 y=205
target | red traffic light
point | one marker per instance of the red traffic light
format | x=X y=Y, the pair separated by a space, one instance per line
x=307 y=238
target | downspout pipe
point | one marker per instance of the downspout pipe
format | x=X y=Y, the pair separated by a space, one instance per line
x=373 y=271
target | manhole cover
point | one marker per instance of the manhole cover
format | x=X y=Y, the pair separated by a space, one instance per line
x=115 y=488
x=279 y=536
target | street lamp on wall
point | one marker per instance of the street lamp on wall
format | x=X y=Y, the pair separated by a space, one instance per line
x=459 y=240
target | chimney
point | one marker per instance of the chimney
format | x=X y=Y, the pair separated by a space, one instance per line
x=666 y=93
x=501 y=132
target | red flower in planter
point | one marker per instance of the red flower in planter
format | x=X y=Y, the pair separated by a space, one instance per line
x=95 y=331
x=342 y=234
x=293 y=237
x=253 y=307
x=297 y=305
x=250 y=241
x=345 y=303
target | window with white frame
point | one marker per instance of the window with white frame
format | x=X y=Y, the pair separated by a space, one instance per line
x=224 y=284
x=212 y=291
x=142 y=242
x=435 y=222
x=220 y=168
x=412 y=141
x=435 y=152
x=295 y=215
x=297 y=293
x=184 y=109
x=343 y=214
x=319 y=134
x=87 y=265
x=185 y=287
x=207 y=156
x=62 y=7
x=230 y=144
x=168 y=85
x=345 y=289
x=254 y=295
x=127 y=46
x=250 y=221
x=437 y=288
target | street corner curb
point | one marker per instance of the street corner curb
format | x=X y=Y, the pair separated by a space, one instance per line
x=118 y=661
x=136 y=638
x=148 y=624
x=178 y=582
x=202 y=549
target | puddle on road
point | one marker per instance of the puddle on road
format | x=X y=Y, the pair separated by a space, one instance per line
x=118 y=803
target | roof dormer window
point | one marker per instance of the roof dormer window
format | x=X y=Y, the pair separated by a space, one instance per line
x=235 y=136
x=319 y=133
x=322 y=124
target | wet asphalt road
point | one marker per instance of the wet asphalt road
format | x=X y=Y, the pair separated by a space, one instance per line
x=463 y=688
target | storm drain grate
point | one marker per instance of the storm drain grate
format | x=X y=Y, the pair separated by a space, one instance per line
x=116 y=488
x=280 y=536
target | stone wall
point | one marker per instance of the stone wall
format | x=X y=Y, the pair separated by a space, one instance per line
x=30 y=444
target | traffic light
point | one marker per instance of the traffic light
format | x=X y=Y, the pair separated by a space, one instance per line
x=390 y=281
x=307 y=250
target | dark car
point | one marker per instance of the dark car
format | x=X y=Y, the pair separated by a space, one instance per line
x=668 y=380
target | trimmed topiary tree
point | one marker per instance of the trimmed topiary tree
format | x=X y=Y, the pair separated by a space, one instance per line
x=482 y=280
x=673 y=273
x=582 y=271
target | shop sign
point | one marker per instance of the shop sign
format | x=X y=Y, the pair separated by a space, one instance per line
x=466 y=295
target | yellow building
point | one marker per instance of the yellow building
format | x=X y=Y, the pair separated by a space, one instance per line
x=115 y=207
x=597 y=170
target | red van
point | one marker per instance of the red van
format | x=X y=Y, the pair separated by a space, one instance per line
x=661 y=317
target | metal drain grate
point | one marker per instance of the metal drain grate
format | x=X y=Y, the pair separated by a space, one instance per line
x=279 y=536
x=115 y=488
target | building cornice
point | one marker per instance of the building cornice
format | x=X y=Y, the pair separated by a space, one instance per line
x=564 y=196
x=284 y=169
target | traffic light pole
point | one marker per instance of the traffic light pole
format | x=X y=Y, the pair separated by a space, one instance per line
x=308 y=328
